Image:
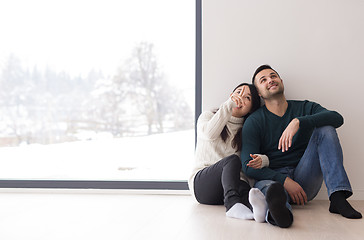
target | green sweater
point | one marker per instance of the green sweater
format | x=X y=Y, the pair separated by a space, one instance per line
x=263 y=129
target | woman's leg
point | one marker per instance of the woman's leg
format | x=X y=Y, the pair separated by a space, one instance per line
x=207 y=185
x=235 y=189
x=220 y=184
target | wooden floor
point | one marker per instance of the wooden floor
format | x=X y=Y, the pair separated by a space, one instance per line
x=90 y=215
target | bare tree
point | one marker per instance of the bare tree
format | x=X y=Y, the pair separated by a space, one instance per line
x=147 y=87
x=138 y=99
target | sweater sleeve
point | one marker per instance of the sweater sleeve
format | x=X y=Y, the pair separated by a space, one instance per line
x=265 y=160
x=252 y=134
x=210 y=125
x=318 y=116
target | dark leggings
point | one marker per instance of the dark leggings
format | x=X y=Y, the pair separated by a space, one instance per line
x=220 y=184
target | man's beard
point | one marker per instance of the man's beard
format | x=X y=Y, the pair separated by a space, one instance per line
x=273 y=95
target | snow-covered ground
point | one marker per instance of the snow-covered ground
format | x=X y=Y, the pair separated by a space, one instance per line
x=167 y=156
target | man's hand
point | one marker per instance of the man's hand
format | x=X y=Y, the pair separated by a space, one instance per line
x=285 y=141
x=295 y=191
x=256 y=162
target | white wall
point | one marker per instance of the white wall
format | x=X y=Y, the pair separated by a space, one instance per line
x=315 y=45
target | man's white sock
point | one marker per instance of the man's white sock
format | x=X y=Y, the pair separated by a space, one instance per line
x=259 y=204
x=240 y=211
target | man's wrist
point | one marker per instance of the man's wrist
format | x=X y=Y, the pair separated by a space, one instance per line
x=286 y=180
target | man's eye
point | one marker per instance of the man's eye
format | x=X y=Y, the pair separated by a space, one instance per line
x=262 y=80
x=273 y=76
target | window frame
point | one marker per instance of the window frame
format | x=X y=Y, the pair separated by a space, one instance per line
x=147 y=185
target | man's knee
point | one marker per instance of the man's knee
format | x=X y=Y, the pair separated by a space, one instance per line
x=263 y=185
x=326 y=130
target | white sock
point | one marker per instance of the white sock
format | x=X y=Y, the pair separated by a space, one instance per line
x=259 y=204
x=240 y=211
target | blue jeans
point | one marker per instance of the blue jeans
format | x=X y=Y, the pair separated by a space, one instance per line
x=322 y=160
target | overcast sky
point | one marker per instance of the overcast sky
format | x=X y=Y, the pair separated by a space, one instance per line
x=78 y=35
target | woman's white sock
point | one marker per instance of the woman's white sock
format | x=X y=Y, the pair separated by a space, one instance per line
x=259 y=204
x=240 y=211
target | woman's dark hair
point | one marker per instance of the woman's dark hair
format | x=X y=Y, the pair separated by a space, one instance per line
x=236 y=143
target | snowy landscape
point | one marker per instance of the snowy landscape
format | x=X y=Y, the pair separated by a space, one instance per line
x=166 y=156
x=103 y=94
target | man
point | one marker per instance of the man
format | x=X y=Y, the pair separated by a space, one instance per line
x=300 y=139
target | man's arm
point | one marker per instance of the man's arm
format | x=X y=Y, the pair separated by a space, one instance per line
x=318 y=116
x=251 y=144
x=315 y=116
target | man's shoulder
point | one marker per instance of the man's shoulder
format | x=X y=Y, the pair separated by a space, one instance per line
x=259 y=112
x=256 y=116
x=300 y=102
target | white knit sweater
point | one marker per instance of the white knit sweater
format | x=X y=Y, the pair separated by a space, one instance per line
x=210 y=147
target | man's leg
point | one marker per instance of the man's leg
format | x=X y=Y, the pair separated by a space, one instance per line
x=279 y=211
x=323 y=160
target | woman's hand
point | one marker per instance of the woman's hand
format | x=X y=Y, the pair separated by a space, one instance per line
x=237 y=98
x=256 y=162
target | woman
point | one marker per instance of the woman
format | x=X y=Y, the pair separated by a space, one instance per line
x=217 y=178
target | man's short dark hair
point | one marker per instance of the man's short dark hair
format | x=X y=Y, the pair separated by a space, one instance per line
x=261 y=68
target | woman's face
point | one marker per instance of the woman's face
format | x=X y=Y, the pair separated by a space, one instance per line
x=246 y=101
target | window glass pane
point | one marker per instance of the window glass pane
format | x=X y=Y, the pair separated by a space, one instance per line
x=97 y=90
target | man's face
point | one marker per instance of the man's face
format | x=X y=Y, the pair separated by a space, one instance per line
x=268 y=84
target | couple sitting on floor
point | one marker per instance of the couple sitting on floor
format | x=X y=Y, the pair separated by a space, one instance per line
x=287 y=147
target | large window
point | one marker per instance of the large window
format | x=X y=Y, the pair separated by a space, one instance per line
x=97 y=90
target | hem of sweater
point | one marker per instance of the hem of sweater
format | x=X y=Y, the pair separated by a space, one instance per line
x=265 y=160
x=191 y=182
